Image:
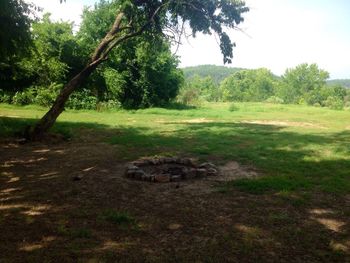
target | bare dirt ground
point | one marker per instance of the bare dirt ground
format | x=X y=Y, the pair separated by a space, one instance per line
x=47 y=216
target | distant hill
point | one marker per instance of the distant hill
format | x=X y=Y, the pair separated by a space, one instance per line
x=218 y=73
x=343 y=82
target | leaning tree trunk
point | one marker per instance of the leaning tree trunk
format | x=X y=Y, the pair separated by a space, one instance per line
x=108 y=42
x=112 y=39
x=48 y=120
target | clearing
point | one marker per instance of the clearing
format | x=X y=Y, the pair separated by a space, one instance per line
x=295 y=206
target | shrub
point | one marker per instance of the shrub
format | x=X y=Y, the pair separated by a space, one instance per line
x=189 y=96
x=275 y=100
x=108 y=105
x=23 y=98
x=5 y=97
x=233 y=107
x=334 y=103
x=46 y=96
x=82 y=100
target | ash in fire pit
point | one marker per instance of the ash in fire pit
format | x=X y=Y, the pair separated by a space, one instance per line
x=163 y=170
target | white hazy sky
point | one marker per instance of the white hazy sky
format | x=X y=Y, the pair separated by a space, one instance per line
x=278 y=34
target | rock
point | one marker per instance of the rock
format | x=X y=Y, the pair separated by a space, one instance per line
x=167 y=160
x=201 y=172
x=174 y=226
x=139 y=174
x=187 y=162
x=154 y=161
x=212 y=172
x=131 y=167
x=139 y=163
x=207 y=166
x=134 y=173
x=175 y=178
x=190 y=173
x=144 y=177
x=162 y=178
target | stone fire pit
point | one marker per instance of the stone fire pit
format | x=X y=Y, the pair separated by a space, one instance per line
x=167 y=169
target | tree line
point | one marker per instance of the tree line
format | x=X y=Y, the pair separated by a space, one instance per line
x=304 y=84
x=140 y=73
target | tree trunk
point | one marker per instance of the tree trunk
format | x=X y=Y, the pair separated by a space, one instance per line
x=48 y=120
x=110 y=41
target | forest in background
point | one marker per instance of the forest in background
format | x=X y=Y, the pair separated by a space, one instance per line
x=143 y=72
x=304 y=84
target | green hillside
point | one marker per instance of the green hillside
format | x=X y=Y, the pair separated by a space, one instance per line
x=342 y=82
x=218 y=73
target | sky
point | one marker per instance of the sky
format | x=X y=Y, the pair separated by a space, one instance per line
x=276 y=34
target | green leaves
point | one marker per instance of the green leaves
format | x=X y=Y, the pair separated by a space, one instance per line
x=248 y=85
x=301 y=81
x=15 y=20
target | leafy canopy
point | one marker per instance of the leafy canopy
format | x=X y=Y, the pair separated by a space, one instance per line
x=170 y=18
x=140 y=72
x=15 y=24
x=303 y=79
x=248 y=85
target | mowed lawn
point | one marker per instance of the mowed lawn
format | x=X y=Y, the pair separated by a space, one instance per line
x=295 y=147
x=301 y=154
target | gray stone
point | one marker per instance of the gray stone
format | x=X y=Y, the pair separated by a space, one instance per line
x=131 y=167
x=207 y=165
x=212 y=172
x=154 y=161
x=186 y=161
x=138 y=174
x=201 y=172
x=167 y=160
x=190 y=173
x=130 y=173
x=139 y=163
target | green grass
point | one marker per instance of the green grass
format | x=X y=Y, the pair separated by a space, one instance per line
x=312 y=153
x=118 y=218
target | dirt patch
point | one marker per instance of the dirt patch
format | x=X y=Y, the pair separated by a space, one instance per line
x=233 y=171
x=197 y=120
x=285 y=123
x=46 y=216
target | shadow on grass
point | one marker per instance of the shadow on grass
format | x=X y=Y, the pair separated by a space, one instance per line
x=289 y=160
x=45 y=216
x=179 y=106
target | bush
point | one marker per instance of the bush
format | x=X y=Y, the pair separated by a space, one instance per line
x=5 y=97
x=189 y=96
x=334 y=103
x=233 y=107
x=46 y=96
x=82 y=100
x=23 y=98
x=108 y=105
x=275 y=100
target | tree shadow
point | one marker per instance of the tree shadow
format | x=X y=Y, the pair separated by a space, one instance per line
x=47 y=216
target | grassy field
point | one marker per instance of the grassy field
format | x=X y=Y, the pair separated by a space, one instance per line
x=295 y=147
x=302 y=156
